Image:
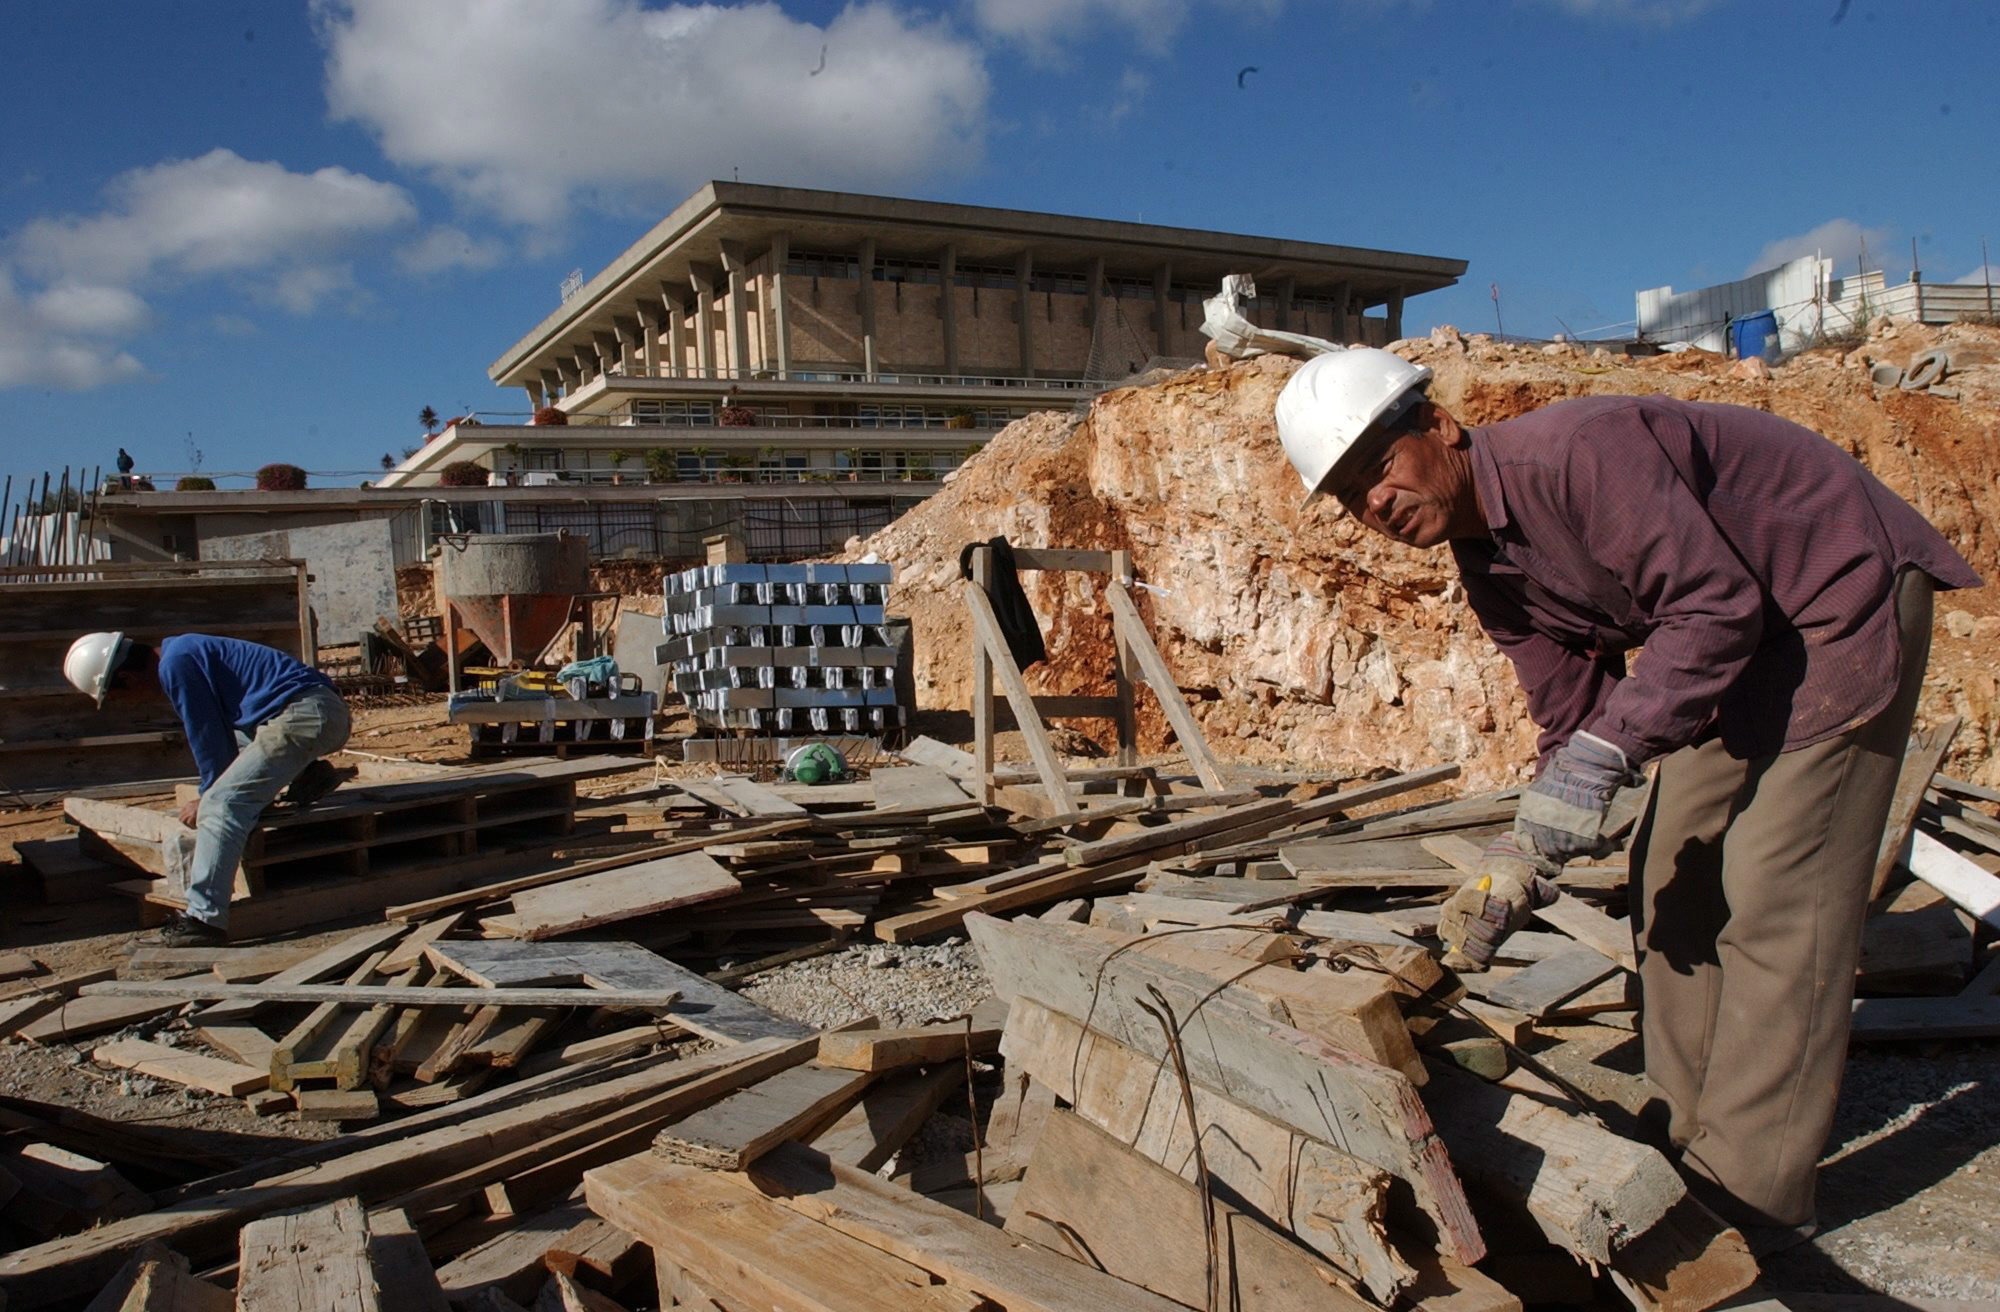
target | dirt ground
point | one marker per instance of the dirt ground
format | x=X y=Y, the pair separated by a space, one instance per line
x=1910 y=1185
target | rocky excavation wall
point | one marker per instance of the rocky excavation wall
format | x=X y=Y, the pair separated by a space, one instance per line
x=1310 y=641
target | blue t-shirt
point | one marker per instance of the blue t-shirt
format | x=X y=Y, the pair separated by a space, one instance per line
x=220 y=685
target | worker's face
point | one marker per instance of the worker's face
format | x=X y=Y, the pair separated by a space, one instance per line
x=1414 y=487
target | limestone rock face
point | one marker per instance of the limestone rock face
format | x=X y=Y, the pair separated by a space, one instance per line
x=1304 y=639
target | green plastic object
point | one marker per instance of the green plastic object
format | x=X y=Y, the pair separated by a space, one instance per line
x=816 y=763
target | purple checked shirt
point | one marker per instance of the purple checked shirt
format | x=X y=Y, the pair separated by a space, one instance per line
x=1753 y=561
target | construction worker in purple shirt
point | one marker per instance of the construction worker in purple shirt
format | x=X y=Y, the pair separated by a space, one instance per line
x=1782 y=598
x=258 y=723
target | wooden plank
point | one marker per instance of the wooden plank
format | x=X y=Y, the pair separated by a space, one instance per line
x=337 y=1104
x=967 y=1254
x=1890 y=1020
x=248 y=965
x=1588 y=1190
x=1087 y=1194
x=495 y=889
x=922 y=750
x=753 y=1251
x=1543 y=987
x=369 y=995
x=743 y=796
x=989 y=639
x=157 y=1280
x=410 y=950
x=1298 y=1184
x=889 y=1114
x=1177 y=832
x=735 y=1131
x=76 y=1018
x=188 y=1068
x=1131 y=628
x=514 y=1261
x=593 y=1245
x=920 y=1045
x=942 y=915
x=1921 y=759
x=1592 y=928
x=335 y=959
x=402 y=1269
x=915 y=789
x=245 y=1043
x=1372 y=1111
x=1956 y=877
x=703 y=1007
x=614 y=895
x=1688 y=1262
x=317 y=1259
x=1916 y=943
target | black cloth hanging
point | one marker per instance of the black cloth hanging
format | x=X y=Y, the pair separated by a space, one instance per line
x=1010 y=602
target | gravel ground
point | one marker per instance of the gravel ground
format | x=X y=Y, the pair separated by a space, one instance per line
x=898 y=984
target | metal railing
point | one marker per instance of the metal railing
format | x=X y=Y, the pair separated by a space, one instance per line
x=848 y=376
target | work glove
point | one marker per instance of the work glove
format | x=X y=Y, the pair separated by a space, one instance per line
x=1509 y=887
x=1561 y=816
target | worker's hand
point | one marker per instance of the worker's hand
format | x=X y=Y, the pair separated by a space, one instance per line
x=190 y=811
x=1494 y=903
x=1562 y=813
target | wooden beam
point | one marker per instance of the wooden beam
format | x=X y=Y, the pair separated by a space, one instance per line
x=990 y=640
x=920 y=1045
x=227 y=1078
x=383 y=994
x=1921 y=759
x=1131 y=628
x=1088 y=1195
x=1957 y=878
x=730 y=1134
x=754 y=1252
x=889 y=1114
x=1294 y=1078
x=317 y=1258
x=613 y=895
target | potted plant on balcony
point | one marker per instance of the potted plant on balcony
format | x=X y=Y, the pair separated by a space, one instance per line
x=618 y=459
x=958 y=417
x=853 y=455
x=736 y=416
x=734 y=464
x=281 y=478
x=662 y=466
x=701 y=455
x=550 y=415
x=922 y=468
x=194 y=483
x=463 y=473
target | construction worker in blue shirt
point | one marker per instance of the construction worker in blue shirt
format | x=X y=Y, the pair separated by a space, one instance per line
x=258 y=722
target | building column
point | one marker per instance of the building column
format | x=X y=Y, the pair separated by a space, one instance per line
x=1024 y=273
x=649 y=317
x=610 y=351
x=631 y=344
x=571 y=379
x=865 y=303
x=705 y=279
x=1163 y=287
x=781 y=254
x=1395 y=313
x=675 y=299
x=1288 y=290
x=552 y=384
x=735 y=264
x=1095 y=306
x=587 y=366
x=534 y=391
x=1340 y=295
x=948 y=305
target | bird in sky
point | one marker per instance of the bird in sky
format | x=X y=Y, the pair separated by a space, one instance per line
x=1242 y=73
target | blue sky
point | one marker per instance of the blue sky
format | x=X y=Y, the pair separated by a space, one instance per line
x=245 y=232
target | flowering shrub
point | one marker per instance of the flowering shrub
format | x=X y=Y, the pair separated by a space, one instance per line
x=462 y=473
x=551 y=415
x=281 y=478
x=194 y=483
x=736 y=416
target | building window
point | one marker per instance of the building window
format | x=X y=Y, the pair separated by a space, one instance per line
x=542 y=458
x=676 y=414
x=915 y=271
x=1073 y=284
x=991 y=276
x=813 y=264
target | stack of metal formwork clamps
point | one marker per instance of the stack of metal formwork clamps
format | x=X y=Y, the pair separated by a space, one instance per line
x=783 y=648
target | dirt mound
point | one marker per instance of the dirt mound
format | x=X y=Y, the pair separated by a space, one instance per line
x=1308 y=640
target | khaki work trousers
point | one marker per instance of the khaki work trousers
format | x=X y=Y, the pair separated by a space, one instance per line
x=1749 y=883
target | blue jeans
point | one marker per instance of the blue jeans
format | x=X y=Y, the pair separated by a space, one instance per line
x=312 y=725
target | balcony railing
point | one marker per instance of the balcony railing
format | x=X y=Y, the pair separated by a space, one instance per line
x=825 y=375
x=932 y=423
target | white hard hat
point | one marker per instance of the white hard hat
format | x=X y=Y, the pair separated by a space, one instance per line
x=91 y=660
x=1333 y=399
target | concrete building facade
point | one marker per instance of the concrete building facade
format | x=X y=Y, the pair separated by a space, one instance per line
x=775 y=335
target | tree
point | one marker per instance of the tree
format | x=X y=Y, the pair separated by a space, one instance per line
x=463 y=473
x=388 y=461
x=428 y=418
x=662 y=466
x=281 y=478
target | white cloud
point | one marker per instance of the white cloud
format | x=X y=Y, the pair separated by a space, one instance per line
x=610 y=101
x=219 y=213
x=79 y=308
x=274 y=232
x=446 y=248
x=1042 y=25
x=51 y=340
x=1841 y=240
x=1985 y=273
x=1652 y=13
x=1132 y=87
